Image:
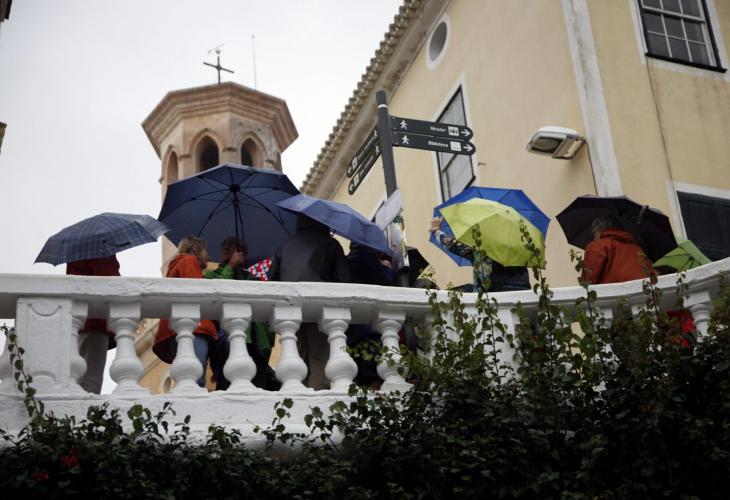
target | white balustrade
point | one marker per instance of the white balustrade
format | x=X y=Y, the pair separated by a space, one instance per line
x=49 y=310
x=186 y=369
x=239 y=368
x=291 y=369
x=79 y=311
x=700 y=305
x=388 y=323
x=340 y=368
x=126 y=369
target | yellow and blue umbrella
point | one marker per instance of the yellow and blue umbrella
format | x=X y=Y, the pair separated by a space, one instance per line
x=499 y=225
x=515 y=198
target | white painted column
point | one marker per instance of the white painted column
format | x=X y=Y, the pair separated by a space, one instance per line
x=79 y=312
x=7 y=382
x=388 y=323
x=340 y=368
x=185 y=369
x=239 y=368
x=126 y=369
x=700 y=305
x=510 y=320
x=291 y=369
x=592 y=98
x=44 y=326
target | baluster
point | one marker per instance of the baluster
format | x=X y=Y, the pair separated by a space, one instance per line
x=7 y=382
x=186 y=369
x=79 y=311
x=126 y=369
x=239 y=368
x=510 y=320
x=388 y=323
x=291 y=369
x=340 y=368
x=700 y=305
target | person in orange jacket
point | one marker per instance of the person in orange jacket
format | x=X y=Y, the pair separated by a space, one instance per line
x=189 y=262
x=94 y=337
x=613 y=256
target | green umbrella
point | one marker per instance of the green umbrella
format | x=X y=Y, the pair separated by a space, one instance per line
x=500 y=231
x=685 y=256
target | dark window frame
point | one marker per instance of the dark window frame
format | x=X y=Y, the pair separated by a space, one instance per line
x=443 y=180
x=685 y=200
x=711 y=39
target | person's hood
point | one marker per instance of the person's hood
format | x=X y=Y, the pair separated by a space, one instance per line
x=618 y=235
x=307 y=224
x=177 y=259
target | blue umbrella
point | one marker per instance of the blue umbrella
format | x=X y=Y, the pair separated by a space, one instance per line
x=342 y=219
x=99 y=236
x=231 y=200
x=515 y=198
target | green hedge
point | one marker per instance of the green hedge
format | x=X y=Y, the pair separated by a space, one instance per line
x=612 y=412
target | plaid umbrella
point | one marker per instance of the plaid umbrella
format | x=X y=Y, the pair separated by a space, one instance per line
x=99 y=236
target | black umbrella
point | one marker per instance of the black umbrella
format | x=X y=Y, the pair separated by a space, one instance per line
x=650 y=227
x=416 y=263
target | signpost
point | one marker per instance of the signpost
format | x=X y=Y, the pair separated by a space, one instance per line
x=401 y=132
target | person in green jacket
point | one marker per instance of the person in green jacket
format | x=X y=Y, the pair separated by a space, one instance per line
x=259 y=338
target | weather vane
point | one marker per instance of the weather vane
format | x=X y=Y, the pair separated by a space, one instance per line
x=218 y=66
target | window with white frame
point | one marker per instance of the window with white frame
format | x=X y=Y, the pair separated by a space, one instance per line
x=455 y=171
x=680 y=31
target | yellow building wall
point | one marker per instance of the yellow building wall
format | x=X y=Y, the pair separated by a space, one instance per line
x=669 y=122
x=516 y=76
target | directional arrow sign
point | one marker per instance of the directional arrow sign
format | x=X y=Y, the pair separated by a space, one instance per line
x=417 y=141
x=362 y=171
x=436 y=129
x=370 y=144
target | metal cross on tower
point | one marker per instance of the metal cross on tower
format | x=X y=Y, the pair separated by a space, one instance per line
x=218 y=66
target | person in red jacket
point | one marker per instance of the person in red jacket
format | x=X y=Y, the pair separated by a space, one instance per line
x=613 y=256
x=191 y=258
x=94 y=338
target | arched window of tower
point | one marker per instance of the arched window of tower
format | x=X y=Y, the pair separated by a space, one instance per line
x=171 y=174
x=251 y=153
x=246 y=158
x=208 y=154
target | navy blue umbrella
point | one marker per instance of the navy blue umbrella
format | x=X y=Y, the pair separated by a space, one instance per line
x=231 y=200
x=99 y=236
x=515 y=198
x=342 y=219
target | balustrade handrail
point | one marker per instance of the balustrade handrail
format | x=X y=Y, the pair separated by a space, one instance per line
x=156 y=294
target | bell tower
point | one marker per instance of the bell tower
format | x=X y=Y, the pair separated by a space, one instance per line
x=198 y=128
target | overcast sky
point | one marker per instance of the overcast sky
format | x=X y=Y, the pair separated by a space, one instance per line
x=78 y=77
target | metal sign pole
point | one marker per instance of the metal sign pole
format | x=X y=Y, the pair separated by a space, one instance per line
x=386 y=142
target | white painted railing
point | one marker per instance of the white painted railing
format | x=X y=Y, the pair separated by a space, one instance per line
x=48 y=311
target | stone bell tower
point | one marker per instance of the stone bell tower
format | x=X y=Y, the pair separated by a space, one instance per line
x=198 y=128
